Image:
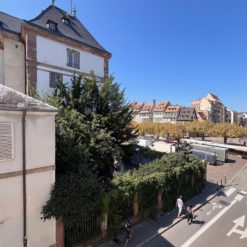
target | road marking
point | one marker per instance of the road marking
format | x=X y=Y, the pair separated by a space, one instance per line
x=238 y=222
x=243 y=192
x=210 y=223
x=239 y=197
x=229 y=191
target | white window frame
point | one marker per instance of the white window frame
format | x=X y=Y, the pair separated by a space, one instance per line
x=73 y=58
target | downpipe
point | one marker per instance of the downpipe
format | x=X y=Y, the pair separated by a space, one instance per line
x=24 y=188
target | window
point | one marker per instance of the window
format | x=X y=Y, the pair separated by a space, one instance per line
x=54 y=77
x=6 y=141
x=73 y=58
x=51 y=25
x=65 y=20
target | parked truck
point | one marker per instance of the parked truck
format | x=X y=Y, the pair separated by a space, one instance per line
x=203 y=155
x=220 y=152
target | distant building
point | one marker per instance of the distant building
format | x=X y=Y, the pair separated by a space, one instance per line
x=231 y=116
x=201 y=115
x=136 y=108
x=146 y=113
x=171 y=113
x=212 y=108
x=159 y=111
x=53 y=46
x=187 y=114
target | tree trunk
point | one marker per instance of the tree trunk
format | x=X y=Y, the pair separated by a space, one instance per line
x=225 y=139
x=203 y=137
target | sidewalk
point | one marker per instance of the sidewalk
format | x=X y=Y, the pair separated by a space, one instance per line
x=149 y=229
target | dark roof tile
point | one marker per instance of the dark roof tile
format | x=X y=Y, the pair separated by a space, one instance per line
x=74 y=30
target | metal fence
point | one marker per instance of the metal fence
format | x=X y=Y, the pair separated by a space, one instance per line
x=88 y=227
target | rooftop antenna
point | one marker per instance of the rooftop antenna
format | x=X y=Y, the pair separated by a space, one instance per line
x=74 y=11
x=71 y=7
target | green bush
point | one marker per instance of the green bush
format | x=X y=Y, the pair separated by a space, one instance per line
x=173 y=174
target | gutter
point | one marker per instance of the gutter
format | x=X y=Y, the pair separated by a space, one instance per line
x=24 y=187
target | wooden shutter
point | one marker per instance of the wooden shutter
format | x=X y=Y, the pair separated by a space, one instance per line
x=6 y=141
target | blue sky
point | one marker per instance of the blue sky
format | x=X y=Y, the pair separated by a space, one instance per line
x=176 y=50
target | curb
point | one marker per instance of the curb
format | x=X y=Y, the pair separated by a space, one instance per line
x=208 y=199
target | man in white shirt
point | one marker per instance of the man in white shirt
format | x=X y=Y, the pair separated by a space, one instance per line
x=180 y=205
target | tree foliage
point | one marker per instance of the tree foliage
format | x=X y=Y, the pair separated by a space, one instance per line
x=93 y=120
x=195 y=129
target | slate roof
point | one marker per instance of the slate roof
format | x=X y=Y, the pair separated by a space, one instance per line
x=73 y=31
x=10 y=23
x=187 y=114
x=12 y=99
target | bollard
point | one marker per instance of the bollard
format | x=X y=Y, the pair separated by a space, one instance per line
x=225 y=179
x=221 y=182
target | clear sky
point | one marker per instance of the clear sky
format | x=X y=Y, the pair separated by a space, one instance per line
x=168 y=50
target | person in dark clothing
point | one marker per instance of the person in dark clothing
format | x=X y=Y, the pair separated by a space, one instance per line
x=190 y=214
x=128 y=228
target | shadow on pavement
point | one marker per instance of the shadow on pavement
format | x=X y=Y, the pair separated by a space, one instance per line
x=198 y=222
x=230 y=161
x=159 y=241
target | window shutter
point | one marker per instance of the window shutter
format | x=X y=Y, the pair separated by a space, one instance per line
x=6 y=141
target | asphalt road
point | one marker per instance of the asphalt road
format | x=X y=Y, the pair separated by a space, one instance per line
x=221 y=223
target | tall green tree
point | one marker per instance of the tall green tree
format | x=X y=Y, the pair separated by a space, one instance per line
x=93 y=121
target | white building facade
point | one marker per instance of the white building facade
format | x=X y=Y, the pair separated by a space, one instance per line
x=27 y=169
x=53 y=46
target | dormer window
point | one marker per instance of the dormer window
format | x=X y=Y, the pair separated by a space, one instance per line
x=65 y=20
x=51 y=25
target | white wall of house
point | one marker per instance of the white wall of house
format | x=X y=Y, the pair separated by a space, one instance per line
x=40 y=154
x=1 y=66
x=43 y=79
x=13 y=69
x=16 y=163
x=40 y=140
x=52 y=56
x=54 y=53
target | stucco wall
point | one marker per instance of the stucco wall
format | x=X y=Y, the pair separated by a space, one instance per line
x=1 y=66
x=11 y=212
x=40 y=140
x=40 y=153
x=14 y=65
x=15 y=164
x=39 y=233
x=43 y=79
x=54 y=53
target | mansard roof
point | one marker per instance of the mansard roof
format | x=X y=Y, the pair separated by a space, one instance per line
x=10 y=23
x=11 y=99
x=73 y=29
x=187 y=114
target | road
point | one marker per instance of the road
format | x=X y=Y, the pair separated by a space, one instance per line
x=222 y=222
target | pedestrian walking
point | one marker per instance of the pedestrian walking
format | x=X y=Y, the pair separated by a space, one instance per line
x=190 y=214
x=180 y=205
x=128 y=228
